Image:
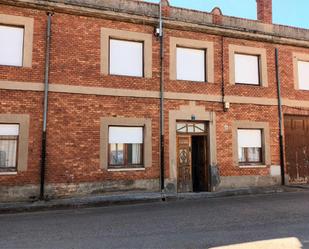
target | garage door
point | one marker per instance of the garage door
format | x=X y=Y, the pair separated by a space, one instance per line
x=297 y=148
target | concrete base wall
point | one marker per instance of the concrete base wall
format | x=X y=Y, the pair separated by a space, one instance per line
x=31 y=192
x=232 y=182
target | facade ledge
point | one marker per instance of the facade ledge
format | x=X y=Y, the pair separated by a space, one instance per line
x=126 y=169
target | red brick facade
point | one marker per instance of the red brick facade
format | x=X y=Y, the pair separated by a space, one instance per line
x=73 y=127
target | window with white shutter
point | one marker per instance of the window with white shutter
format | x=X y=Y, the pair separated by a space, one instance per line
x=190 y=64
x=249 y=146
x=8 y=146
x=126 y=58
x=125 y=146
x=247 y=69
x=303 y=75
x=11 y=45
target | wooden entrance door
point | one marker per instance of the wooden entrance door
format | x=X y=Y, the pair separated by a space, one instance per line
x=297 y=148
x=184 y=179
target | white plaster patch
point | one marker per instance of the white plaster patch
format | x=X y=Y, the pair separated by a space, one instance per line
x=275 y=170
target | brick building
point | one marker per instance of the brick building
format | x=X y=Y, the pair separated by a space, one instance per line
x=213 y=90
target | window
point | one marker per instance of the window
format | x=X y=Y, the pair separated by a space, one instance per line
x=249 y=146
x=248 y=65
x=125 y=147
x=247 y=69
x=8 y=146
x=303 y=75
x=126 y=53
x=191 y=60
x=126 y=58
x=191 y=64
x=11 y=45
x=16 y=40
x=191 y=127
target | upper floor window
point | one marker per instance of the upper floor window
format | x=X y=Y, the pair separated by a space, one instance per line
x=248 y=66
x=191 y=60
x=125 y=147
x=9 y=134
x=16 y=40
x=191 y=64
x=303 y=75
x=126 y=53
x=249 y=146
x=247 y=69
x=126 y=58
x=11 y=45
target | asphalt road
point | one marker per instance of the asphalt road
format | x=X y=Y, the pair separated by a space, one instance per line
x=183 y=224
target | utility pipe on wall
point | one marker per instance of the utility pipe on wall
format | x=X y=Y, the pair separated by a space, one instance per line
x=161 y=98
x=280 y=118
x=45 y=107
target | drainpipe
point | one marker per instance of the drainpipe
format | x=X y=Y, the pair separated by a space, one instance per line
x=280 y=118
x=161 y=99
x=46 y=80
x=225 y=105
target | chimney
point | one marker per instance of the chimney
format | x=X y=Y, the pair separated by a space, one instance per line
x=264 y=11
x=165 y=8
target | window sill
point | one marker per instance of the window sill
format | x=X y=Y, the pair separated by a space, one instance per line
x=251 y=166
x=126 y=169
x=249 y=84
x=125 y=75
x=8 y=173
x=191 y=81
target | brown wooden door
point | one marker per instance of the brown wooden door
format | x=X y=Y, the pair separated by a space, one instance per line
x=184 y=179
x=297 y=148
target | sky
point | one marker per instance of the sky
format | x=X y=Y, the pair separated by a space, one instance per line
x=286 y=12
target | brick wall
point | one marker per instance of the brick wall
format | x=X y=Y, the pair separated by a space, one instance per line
x=74 y=119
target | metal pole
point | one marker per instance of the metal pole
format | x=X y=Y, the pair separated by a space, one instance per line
x=45 y=108
x=161 y=98
x=280 y=118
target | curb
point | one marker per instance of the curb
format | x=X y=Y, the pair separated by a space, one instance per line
x=135 y=198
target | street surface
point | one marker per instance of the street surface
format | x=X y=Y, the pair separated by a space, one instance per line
x=183 y=224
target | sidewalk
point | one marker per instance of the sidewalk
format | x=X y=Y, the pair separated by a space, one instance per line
x=134 y=198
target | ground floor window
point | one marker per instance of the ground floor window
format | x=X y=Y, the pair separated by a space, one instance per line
x=249 y=146
x=9 y=134
x=125 y=147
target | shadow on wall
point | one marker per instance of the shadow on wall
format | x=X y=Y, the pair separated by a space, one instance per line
x=284 y=243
